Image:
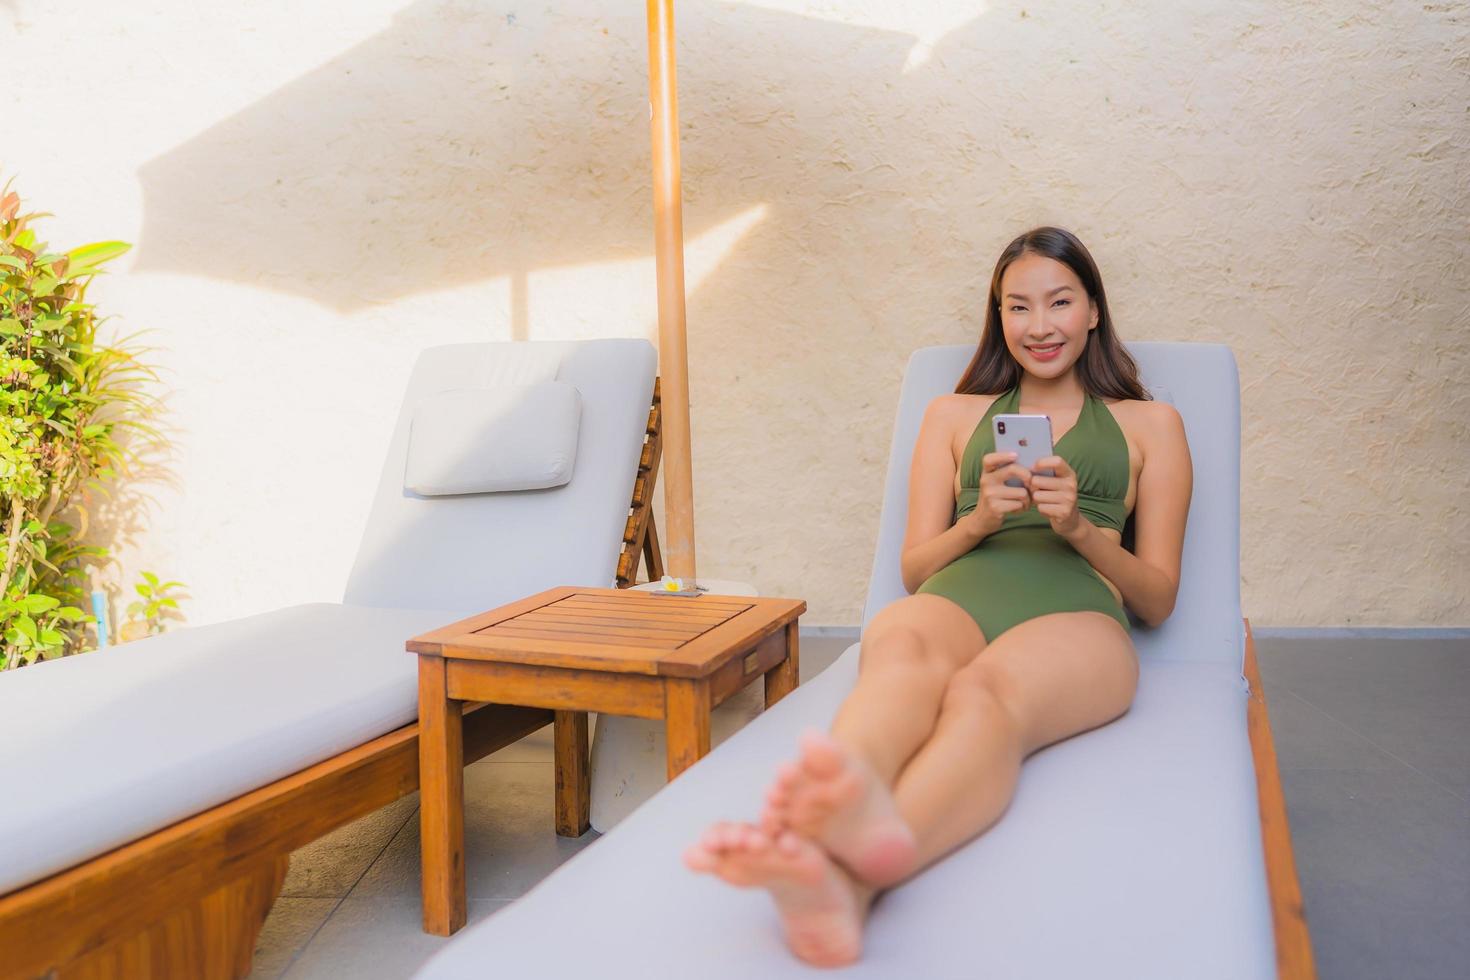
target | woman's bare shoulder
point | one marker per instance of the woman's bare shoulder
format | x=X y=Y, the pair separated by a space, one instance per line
x=1158 y=424
x=956 y=411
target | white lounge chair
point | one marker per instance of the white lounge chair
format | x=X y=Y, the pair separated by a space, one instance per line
x=153 y=791
x=1131 y=851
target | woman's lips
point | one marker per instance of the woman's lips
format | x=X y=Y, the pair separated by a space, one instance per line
x=1043 y=353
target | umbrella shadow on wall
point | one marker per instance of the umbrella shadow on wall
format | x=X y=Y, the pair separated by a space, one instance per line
x=465 y=143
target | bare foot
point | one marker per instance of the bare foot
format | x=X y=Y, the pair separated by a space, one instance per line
x=821 y=909
x=831 y=796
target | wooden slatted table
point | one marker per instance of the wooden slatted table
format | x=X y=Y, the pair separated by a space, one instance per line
x=574 y=650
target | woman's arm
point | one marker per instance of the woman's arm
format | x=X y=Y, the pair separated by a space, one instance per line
x=930 y=540
x=1148 y=577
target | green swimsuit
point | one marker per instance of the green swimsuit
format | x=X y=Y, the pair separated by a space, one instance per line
x=1025 y=569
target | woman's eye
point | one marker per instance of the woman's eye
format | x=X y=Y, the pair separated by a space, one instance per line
x=1061 y=302
x=1017 y=309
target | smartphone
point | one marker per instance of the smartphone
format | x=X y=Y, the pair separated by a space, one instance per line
x=1028 y=436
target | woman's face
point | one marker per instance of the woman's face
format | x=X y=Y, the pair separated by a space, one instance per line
x=1044 y=306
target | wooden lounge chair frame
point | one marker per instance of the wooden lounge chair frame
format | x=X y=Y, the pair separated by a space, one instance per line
x=189 y=900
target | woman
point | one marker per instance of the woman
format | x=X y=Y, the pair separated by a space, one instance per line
x=1014 y=637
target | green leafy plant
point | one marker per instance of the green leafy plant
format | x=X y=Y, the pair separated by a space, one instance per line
x=74 y=414
x=159 y=600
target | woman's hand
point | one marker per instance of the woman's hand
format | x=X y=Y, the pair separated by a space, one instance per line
x=1056 y=496
x=996 y=499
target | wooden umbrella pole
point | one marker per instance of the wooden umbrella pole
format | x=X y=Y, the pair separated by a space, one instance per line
x=668 y=232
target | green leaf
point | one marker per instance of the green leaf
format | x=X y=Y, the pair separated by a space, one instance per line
x=151 y=579
x=52 y=638
x=12 y=262
x=37 y=604
x=71 y=614
x=143 y=590
x=27 y=627
x=93 y=255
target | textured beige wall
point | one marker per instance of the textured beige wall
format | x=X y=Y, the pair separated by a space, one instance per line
x=318 y=190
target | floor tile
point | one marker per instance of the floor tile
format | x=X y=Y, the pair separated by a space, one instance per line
x=1344 y=677
x=375 y=938
x=291 y=924
x=1435 y=743
x=510 y=838
x=1384 y=861
x=1306 y=737
x=535 y=747
x=330 y=866
x=1409 y=699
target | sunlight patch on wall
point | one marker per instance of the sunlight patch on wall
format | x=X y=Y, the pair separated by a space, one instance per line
x=604 y=299
x=926 y=21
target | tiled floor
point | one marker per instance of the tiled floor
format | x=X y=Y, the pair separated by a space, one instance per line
x=1373 y=741
x=1372 y=736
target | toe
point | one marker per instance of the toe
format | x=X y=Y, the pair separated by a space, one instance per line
x=697 y=858
x=822 y=757
x=730 y=836
x=716 y=838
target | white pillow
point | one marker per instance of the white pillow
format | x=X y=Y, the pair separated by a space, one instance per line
x=484 y=440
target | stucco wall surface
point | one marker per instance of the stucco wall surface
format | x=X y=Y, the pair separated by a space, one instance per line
x=317 y=191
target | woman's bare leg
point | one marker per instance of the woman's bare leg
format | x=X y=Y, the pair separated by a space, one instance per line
x=1038 y=682
x=910 y=652
x=1041 y=681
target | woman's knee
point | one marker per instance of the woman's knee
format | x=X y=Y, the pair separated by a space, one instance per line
x=908 y=634
x=982 y=688
x=897 y=645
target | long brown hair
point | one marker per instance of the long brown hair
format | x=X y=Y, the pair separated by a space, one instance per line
x=1105 y=369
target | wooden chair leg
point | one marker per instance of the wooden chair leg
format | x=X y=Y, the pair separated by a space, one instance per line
x=441 y=801
x=782 y=679
x=652 y=557
x=573 y=793
x=686 y=722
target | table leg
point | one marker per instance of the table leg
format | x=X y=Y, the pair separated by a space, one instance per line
x=782 y=679
x=686 y=722
x=441 y=800
x=573 y=793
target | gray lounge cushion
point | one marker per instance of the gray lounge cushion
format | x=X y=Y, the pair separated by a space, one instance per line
x=488 y=440
x=112 y=745
x=474 y=551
